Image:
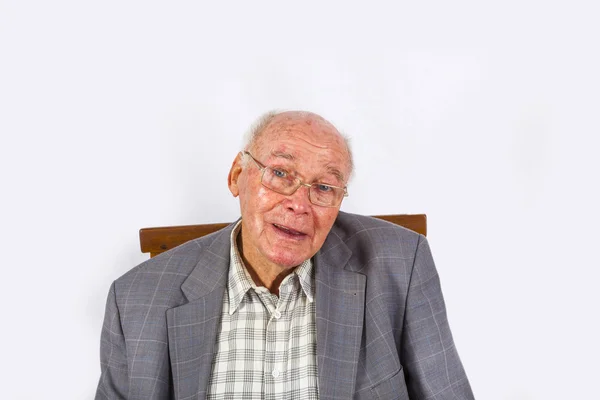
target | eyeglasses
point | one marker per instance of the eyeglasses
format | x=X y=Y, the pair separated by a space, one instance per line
x=282 y=182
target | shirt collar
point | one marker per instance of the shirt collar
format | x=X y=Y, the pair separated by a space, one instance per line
x=239 y=280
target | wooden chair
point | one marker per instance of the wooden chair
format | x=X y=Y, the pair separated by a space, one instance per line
x=161 y=239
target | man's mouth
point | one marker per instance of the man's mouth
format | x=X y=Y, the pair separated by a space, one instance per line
x=289 y=231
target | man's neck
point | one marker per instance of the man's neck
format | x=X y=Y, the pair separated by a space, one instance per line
x=269 y=276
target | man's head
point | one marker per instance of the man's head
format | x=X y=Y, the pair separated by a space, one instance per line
x=285 y=230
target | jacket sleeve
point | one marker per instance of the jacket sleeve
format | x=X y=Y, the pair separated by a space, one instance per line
x=431 y=364
x=113 y=356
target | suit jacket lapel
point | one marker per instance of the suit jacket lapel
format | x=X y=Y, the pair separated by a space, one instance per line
x=340 y=298
x=192 y=327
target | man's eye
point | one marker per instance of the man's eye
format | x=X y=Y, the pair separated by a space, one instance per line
x=324 y=188
x=279 y=173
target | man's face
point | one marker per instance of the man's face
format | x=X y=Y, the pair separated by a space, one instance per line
x=278 y=230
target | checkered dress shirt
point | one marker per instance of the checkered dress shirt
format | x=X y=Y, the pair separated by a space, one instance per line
x=266 y=346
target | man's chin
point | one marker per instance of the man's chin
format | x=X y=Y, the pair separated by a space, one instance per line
x=287 y=260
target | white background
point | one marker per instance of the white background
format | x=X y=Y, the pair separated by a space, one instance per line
x=118 y=115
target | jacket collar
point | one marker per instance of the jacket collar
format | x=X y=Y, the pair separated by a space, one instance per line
x=211 y=270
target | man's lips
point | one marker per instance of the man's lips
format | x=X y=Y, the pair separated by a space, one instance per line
x=289 y=230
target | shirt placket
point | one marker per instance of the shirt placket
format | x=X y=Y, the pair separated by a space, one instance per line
x=276 y=342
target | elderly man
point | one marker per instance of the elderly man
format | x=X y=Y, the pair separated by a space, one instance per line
x=294 y=301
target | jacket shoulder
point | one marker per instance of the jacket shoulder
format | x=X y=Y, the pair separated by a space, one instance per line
x=166 y=272
x=372 y=238
x=355 y=224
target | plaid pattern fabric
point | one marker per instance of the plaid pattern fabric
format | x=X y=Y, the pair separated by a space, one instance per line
x=266 y=346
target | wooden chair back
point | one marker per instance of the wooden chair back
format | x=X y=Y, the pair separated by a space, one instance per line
x=161 y=239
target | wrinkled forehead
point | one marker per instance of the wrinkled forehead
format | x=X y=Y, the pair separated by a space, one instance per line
x=305 y=136
x=310 y=131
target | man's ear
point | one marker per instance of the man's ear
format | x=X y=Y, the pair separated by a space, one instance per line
x=234 y=175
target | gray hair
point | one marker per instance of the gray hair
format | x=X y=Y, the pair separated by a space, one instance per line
x=259 y=126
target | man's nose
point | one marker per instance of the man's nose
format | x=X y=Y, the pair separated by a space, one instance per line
x=299 y=201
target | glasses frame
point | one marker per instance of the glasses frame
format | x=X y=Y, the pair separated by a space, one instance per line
x=263 y=168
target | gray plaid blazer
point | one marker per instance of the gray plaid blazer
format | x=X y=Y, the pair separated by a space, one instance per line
x=382 y=331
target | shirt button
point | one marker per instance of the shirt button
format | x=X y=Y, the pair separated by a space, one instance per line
x=277 y=314
x=275 y=373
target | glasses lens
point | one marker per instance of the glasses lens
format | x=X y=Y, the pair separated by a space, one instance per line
x=279 y=180
x=325 y=195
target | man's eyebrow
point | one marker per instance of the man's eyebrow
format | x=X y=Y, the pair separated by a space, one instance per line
x=336 y=172
x=287 y=156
